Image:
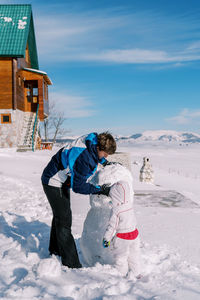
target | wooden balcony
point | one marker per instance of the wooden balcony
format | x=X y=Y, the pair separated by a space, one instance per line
x=35 y=91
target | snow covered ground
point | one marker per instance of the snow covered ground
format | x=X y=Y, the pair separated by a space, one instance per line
x=168 y=214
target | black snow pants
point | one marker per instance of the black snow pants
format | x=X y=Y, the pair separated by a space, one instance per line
x=61 y=239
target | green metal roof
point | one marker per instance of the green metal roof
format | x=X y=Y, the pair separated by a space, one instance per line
x=16 y=30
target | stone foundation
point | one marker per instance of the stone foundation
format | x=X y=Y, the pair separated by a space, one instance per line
x=9 y=133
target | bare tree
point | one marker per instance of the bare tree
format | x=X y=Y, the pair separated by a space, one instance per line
x=45 y=124
x=53 y=125
x=57 y=123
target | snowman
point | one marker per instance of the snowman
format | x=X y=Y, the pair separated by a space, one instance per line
x=146 y=172
x=98 y=216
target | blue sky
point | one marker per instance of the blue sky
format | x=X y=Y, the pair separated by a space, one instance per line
x=124 y=66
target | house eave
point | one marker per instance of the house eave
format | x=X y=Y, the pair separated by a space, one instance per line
x=12 y=55
x=47 y=79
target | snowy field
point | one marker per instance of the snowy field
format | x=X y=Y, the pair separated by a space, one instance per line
x=168 y=215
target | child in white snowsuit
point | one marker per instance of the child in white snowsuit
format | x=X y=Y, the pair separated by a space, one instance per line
x=121 y=233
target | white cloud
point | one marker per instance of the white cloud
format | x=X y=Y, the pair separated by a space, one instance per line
x=194 y=46
x=137 y=56
x=67 y=33
x=72 y=106
x=128 y=56
x=186 y=116
x=118 y=37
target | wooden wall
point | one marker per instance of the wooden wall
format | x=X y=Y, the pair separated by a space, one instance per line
x=21 y=63
x=24 y=62
x=12 y=90
x=6 y=98
x=41 y=104
x=11 y=86
x=20 y=91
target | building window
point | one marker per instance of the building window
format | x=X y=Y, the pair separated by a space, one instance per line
x=6 y=118
x=35 y=91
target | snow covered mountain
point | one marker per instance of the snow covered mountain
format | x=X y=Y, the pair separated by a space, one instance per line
x=161 y=136
x=155 y=137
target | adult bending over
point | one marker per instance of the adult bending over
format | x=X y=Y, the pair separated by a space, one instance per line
x=71 y=166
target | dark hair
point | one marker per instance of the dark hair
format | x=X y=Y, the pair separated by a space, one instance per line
x=106 y=142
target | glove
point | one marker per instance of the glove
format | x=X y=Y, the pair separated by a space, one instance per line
x=105 y=190
x=106 y=244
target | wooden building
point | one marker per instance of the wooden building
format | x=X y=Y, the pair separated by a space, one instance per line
x=23 y=87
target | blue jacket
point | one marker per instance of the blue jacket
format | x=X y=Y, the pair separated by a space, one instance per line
x=79 y=160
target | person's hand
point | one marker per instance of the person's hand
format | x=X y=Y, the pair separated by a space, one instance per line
x=106 y=244
x=105 y=190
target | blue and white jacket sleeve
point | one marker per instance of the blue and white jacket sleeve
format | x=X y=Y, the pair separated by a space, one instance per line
x=103 y=161
x=81 y=186
x=79 y=179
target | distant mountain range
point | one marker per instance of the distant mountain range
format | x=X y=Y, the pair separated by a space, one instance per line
x=155 y=137
x=160 y=136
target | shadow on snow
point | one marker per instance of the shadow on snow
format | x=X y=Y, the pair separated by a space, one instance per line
x=33 y=236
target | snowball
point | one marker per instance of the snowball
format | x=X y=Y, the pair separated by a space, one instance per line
x=49 y=267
